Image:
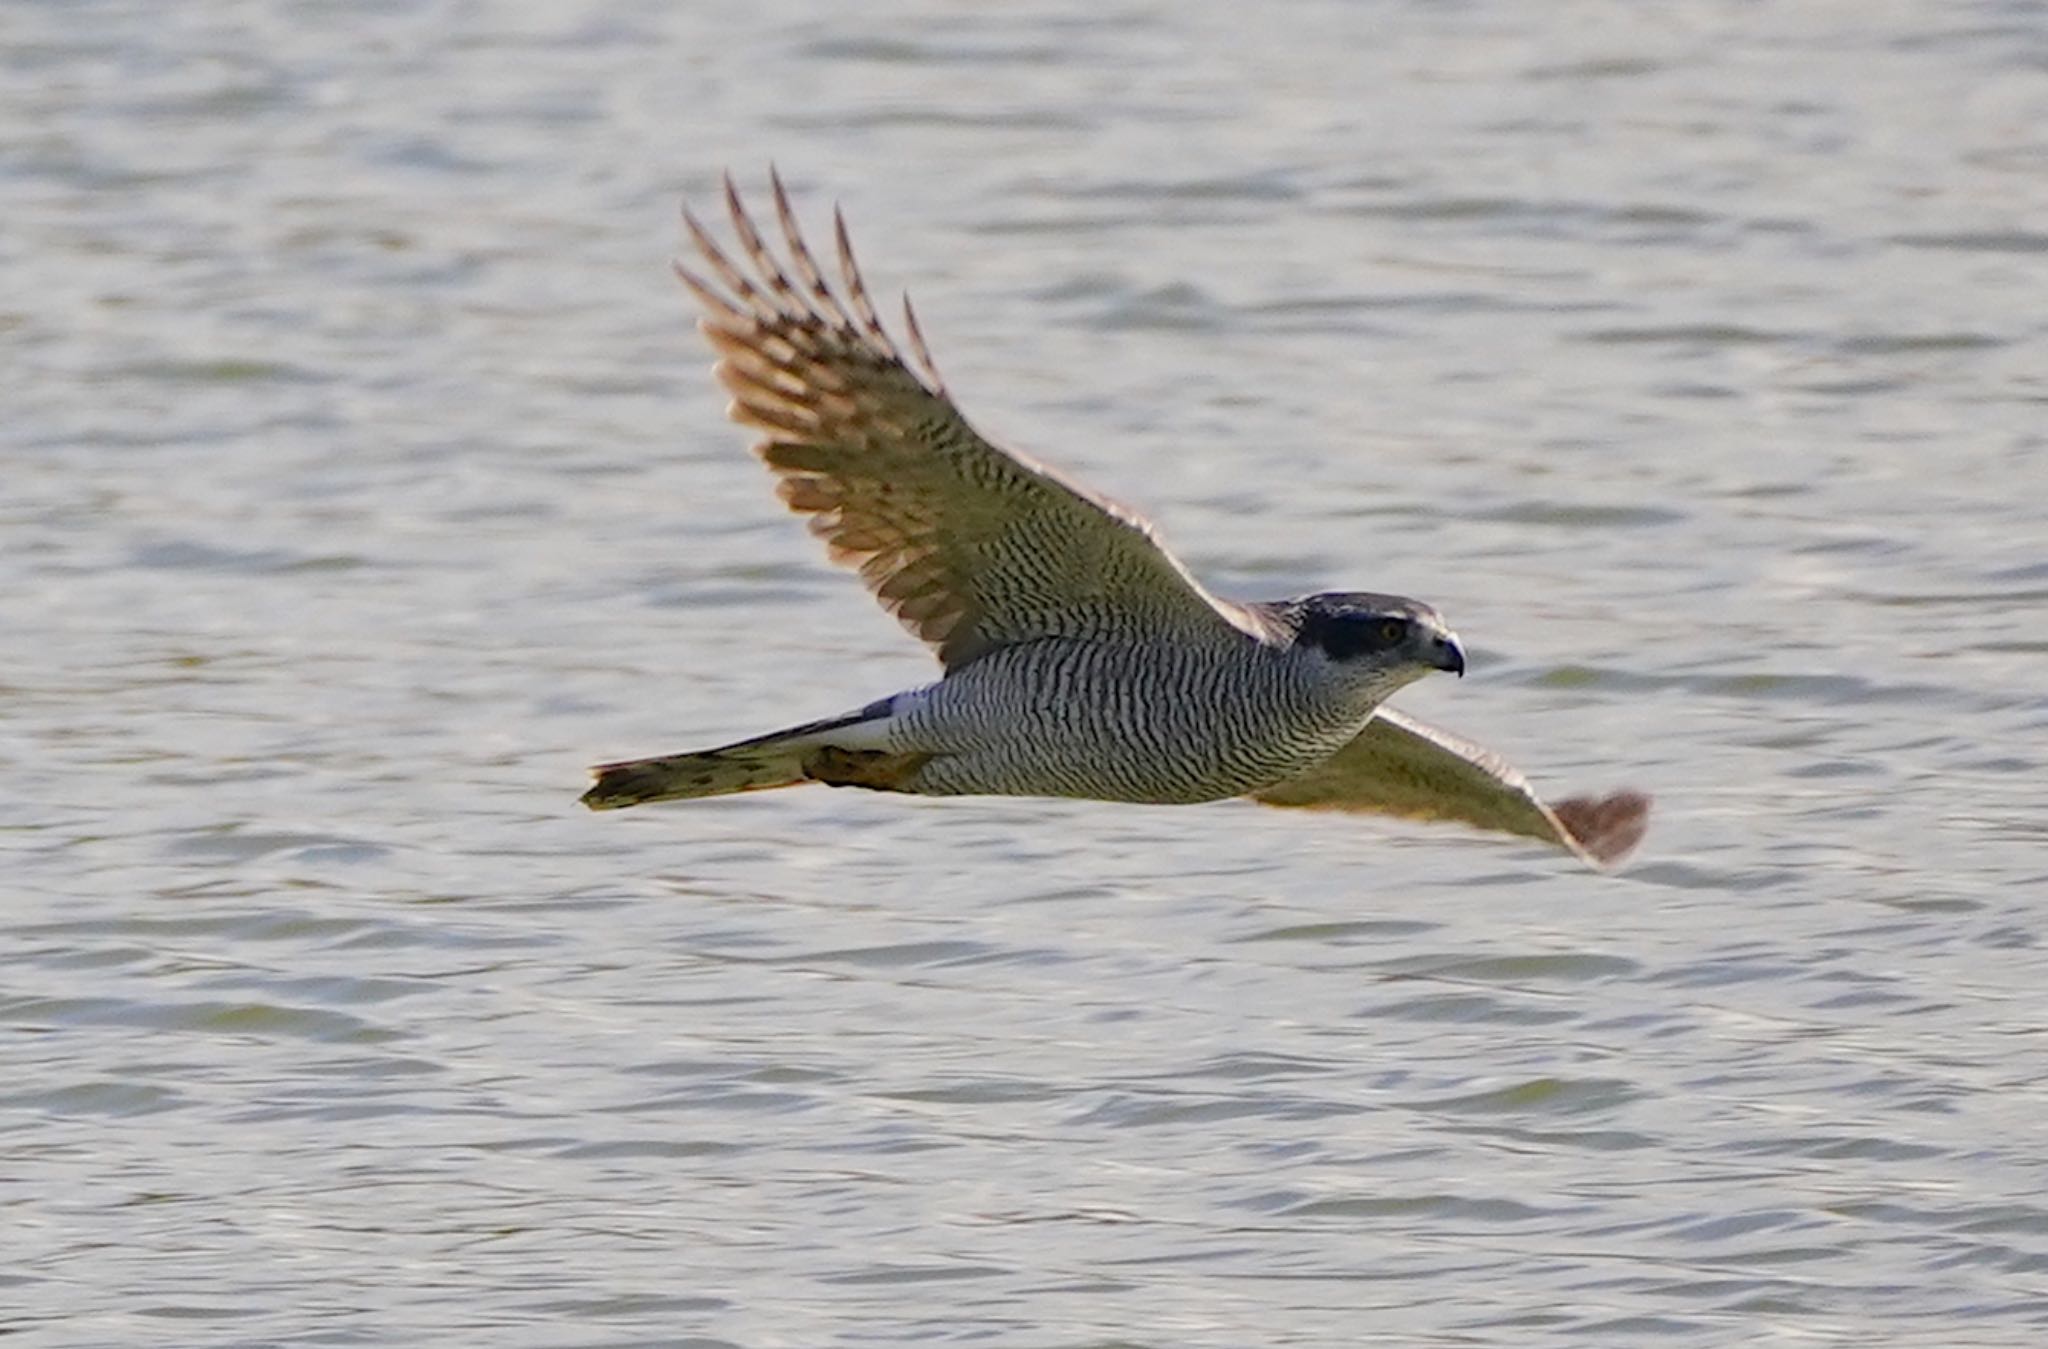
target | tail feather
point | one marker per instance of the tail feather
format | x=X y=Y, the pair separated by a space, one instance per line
x=778 y=759
x=676 y=777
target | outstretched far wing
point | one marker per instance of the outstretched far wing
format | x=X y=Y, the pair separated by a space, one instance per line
x=970 y=546
x=1399 y=766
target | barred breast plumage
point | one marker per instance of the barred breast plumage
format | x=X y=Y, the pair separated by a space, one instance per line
x=1081 y=658
x=1123 y=721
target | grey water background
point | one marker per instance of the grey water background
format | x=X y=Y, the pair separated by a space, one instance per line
x=363 y=482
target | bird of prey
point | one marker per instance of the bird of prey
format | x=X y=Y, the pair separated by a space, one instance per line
x=1080 y=658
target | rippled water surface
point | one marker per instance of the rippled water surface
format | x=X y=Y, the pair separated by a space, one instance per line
x=363 y=483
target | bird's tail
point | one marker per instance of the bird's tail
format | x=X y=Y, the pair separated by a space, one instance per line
x=779 y=759
x=710 y=772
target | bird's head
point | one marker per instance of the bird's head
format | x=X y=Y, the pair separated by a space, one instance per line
x=1379 y=642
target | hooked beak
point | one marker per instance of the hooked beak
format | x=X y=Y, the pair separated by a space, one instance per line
x=1450 y=657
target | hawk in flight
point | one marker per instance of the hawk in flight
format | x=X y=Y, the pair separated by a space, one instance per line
x=1080 y=658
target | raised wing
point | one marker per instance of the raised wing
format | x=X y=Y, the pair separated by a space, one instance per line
x=1399 y=766
x=971 y=547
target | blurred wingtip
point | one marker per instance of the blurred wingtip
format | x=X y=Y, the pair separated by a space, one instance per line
x=1605 y=829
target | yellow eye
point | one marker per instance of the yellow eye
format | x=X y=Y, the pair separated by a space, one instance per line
x=1392 y=630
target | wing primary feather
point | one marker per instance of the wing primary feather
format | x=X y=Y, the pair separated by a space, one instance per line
x=805 y=265
x=766 y=265
x=765 y=391
x=919 y=349
x=732 y=277
x=755 y=396
x=811 y=496
x=720 y=305
x=857 y=290
x=775 y=416
x=797 y=370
